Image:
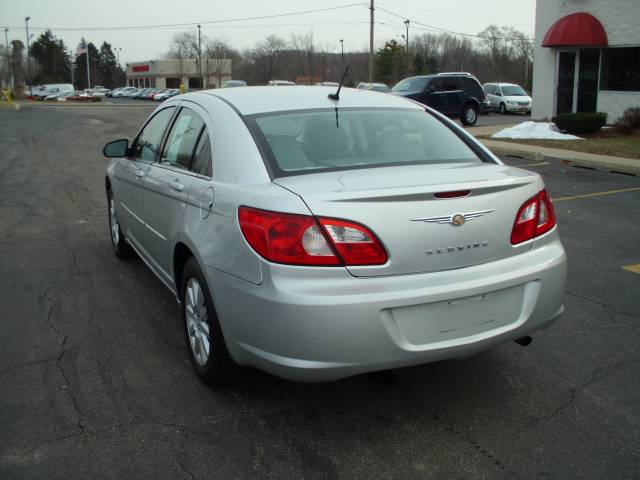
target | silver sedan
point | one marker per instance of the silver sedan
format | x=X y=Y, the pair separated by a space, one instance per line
x=317 y=237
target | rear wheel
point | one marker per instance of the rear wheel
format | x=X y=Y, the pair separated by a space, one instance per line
x=203 y=335
x=503 y=108
x=469 y=115
x=120 y=246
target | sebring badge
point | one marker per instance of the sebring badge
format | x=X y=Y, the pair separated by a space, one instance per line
x=456 y=219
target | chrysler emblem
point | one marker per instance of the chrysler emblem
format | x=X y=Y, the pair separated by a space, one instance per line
x=456 y=219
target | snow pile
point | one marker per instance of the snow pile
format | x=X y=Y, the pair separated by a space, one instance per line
x=535 y=130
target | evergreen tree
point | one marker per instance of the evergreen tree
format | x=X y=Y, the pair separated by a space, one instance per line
x=391 y=63
x=52 y=61
x=109 y=69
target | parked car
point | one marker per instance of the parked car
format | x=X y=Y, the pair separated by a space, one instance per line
x=321 y=240
x=376 y=87
x=171 y=92
x=97 y=91
x=280 y=83
x=507 y=97
x=125 y=91
x=65 y=95
x=52 y=89
x=456 y=94
x=140 y=94
x=234 y=83
x=110 y=93
x=327 y=84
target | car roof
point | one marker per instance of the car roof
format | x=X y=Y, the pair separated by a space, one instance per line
x=251 y=100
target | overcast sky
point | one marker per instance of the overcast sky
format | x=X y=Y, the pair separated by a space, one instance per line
x=81 y=17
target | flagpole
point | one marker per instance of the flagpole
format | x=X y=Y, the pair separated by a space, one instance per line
x=88 y=71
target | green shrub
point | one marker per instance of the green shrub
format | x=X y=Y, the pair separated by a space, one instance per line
x=580 y=122
x=629 y=121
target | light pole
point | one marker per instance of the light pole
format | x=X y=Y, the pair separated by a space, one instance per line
x=406 y=22
x=341 y=57
x=200 y=59
x=372 y=9
x=118 y=50
x=72 y=65
x=26 y=21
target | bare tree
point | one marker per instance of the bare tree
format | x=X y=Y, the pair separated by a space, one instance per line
x=217 y=56
x=266 y=55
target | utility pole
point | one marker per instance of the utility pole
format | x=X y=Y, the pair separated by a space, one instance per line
x=406 y=22
x=371 y=43
x=26 y=21
x=200 y=59
x=118 y=50
x=341 y=57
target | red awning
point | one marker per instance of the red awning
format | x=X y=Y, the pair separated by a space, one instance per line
x=576 y=30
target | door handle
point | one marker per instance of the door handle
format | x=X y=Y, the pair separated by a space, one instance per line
x=139 y=174
x=176 y=185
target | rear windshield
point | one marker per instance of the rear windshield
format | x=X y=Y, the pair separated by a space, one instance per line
x=339 y=139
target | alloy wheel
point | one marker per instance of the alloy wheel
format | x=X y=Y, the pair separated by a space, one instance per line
x=113 y=219
x=197 y=322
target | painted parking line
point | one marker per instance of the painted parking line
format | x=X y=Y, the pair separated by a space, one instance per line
x=596 y=194
x=632 y=268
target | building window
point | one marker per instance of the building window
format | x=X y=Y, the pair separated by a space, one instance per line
x=620 y=69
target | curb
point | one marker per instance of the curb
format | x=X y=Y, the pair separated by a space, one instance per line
x=604 y=163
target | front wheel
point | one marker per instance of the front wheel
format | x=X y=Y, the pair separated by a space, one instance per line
x=469 y=115
x=503 y=108
x=203 y=335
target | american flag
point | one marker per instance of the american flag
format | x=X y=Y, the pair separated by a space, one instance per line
x=82 y=48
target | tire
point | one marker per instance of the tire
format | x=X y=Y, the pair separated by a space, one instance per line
x=469 y=115
x=120 y=246
x=203 y=334
x=503 y=108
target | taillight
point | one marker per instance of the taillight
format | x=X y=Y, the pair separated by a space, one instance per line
x=300 y=240
x=535 y=217
x=354 y=243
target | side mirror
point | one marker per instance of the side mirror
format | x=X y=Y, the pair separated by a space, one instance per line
x=116 y=149
x=498 y=94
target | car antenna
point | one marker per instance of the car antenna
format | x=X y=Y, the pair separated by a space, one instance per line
x=336 y=96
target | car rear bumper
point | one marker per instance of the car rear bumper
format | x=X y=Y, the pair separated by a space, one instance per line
x=320 y=324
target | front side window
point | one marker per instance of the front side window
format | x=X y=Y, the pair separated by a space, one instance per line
x=322 y=140
x=147 y=144
x=620 y=69
x=182 y=139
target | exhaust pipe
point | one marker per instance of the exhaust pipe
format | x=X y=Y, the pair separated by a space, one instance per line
x=524 y=341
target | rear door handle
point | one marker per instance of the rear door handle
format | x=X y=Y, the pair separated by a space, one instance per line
x=176 y=185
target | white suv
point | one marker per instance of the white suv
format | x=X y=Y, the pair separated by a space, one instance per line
x=507 y=97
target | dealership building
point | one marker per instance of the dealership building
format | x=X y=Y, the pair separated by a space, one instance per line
x=586 y=57
x=172 y=73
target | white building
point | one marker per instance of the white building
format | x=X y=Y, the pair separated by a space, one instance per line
x=171 y=73
x=586 y=57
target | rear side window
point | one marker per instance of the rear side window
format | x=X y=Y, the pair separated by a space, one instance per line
x=324 y=140
x=451 y=83
x=182 y=139
x=202 y=157
x=148 y=142
x=472 y=87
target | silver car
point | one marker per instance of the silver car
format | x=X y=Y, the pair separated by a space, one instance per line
x=317 y=238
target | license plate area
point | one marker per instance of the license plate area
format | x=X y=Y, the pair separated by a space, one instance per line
x=458 y=318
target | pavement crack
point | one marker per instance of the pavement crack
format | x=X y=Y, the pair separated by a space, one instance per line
x=63 y=350
x=183 y=458
x=607 y=307
x=574 y=392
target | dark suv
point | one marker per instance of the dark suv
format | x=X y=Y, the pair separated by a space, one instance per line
x=455 y=94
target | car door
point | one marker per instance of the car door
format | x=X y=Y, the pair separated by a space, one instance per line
x=454 y=95
x=130 y=174
x=167 y=186
x=434 y=95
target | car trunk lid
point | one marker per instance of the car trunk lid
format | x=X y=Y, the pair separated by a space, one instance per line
x=423 y=233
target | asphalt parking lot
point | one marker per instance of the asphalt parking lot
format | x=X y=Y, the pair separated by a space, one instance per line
x=95 y=380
